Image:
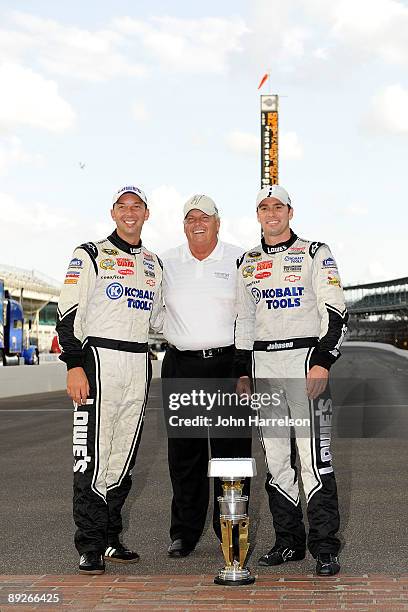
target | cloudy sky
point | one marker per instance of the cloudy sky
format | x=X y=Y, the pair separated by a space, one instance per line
x=164 y=95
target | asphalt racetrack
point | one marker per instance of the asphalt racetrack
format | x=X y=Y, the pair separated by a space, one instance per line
x=370 y=448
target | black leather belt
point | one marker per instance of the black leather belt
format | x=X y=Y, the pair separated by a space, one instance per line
x=285 y=345
x=117 y=345
x=205 y=353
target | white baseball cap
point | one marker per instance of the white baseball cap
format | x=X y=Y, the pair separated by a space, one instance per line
x=200 y=202
x=273 y=191
x=129 y=189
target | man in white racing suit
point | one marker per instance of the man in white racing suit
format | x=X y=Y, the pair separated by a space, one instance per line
x=291 y=321
x=111 y=294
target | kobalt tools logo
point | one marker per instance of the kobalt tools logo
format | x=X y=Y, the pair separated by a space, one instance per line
x=114 y=291
x=80 y=440
x=136 y=298
x=143 y=301
x=289 y=297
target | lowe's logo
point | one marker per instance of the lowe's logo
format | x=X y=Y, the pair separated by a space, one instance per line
x=114 y=291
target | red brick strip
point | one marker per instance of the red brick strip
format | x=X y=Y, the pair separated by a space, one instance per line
x=364 y=593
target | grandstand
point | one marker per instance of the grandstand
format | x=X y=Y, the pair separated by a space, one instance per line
x=39 y=296
x=379 y=311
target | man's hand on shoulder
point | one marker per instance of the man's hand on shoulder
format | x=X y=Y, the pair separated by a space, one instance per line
x=77 y=385
x=316 y=381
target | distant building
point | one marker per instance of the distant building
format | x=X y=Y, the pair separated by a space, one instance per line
x=38 y=295
x=379 y=312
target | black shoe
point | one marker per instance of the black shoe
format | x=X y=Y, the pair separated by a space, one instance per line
x=327 y=564
x=120 y=554
x=281 y=554
x=179 y=548
x=91 y=563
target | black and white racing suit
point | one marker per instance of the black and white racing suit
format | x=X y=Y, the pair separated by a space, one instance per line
x=111 y=294
x=292 y=316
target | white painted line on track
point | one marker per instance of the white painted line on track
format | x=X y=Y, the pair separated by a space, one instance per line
x=368 y=405
x=36 y=410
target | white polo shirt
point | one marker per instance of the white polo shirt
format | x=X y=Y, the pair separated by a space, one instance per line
x=200 y=297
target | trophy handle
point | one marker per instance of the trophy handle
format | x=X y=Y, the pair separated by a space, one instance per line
x=243 y=540
x=227 y=543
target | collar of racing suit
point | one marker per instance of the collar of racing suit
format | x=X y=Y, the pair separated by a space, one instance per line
x=123 y=245
x=281 y=246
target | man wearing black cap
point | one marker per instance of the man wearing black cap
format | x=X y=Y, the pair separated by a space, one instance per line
x=111 y=295
x=291 y=321
x=199 y=285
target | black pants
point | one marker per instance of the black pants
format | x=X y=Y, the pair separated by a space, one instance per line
x=188 y=457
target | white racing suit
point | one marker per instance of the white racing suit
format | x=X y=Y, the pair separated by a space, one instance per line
x=111 y=293
x=291 y=316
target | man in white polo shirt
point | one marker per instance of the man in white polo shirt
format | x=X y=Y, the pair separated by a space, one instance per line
x=199 y=287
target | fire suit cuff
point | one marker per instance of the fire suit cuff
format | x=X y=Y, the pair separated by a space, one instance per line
x=322 y=358
x=242 y=365
x=72 y=361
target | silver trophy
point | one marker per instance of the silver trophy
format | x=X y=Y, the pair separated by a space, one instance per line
x=234 y=518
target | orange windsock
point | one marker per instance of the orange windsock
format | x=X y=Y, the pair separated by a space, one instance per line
x=264 y=78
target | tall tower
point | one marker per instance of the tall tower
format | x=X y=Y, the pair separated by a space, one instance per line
x=269 y=140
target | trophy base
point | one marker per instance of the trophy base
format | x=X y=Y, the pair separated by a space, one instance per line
x=231 y=576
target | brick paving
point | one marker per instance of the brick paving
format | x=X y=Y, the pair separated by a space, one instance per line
x=197 y=593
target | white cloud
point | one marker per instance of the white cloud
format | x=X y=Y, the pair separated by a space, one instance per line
x=321 y=41
x=389 y=111
x=72 y=51
x=357 y=210
x=283 y=36
x=12 y=153
x=35 y=218
x=34 y=228
x=187 y=45
x=373 y=27
x=30 y=99
x=290 y=146
x=139 y=111
x=243 y=142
